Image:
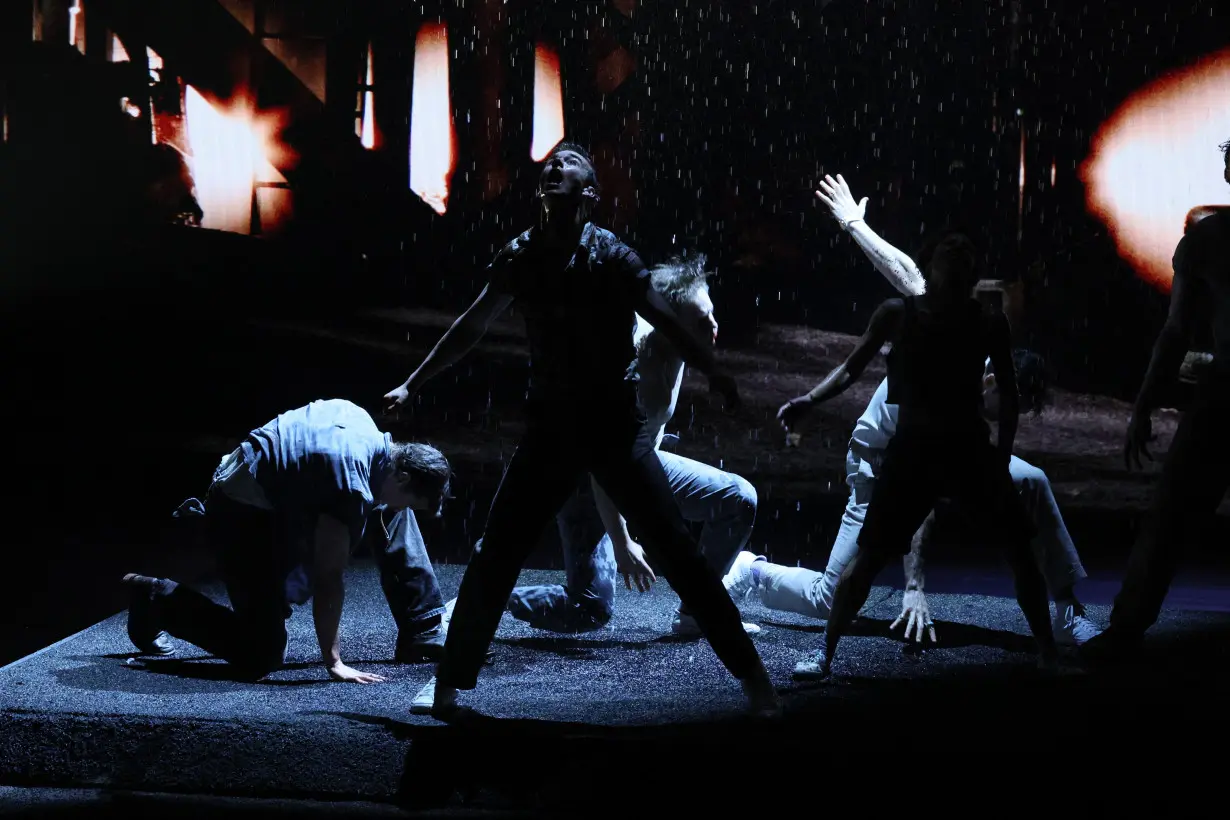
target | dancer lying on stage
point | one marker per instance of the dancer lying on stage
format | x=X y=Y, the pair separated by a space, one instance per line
x=593 y=532
x=942 y=446
x=580 y=289
x=284 y=512
x=807 y=592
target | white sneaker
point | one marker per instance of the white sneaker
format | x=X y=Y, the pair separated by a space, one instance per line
x=1072 y=628
x=432 y=700
x=685 y=626
x=740 y=582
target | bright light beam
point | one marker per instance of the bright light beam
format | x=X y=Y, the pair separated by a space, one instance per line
x=548 y=103
x=431 y=119
x=368 y=137
x=1156 y=158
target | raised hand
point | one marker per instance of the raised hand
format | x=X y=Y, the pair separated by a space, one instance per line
x=835 y=194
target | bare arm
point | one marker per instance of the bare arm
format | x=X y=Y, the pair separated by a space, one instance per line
x=461 y=337
x=1170 y=347
x=897 y=267
x=615 y=525
x=658 y=313
x=1005 y=378
x=880 y=329
x=914 y=578
x=332 y=551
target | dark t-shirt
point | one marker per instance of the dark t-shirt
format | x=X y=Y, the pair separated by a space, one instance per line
x=1202 y=261
x=935 y=368
x=580 y=313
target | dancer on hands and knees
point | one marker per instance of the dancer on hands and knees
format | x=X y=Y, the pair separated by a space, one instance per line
x=284 y=511
x=580 y=289
x=592 y=531
x=942 y=446
x=1196 y=469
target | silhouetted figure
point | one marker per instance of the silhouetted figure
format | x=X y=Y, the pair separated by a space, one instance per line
x=284 y=511
x=580 y=289
x=1196 y=470
x=942 y=448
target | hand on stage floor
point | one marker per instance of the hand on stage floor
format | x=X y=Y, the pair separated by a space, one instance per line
x=633 y=566
x=395 y=398
x=1139 y=435
x=835 y=194
x=725 y=384
x=343 y=673
x=916 y=615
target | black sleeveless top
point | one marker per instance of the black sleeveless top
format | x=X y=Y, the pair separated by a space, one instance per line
x=935 y=368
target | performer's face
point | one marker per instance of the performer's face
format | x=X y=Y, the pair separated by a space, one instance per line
x=697 y=316
x=397 y=495
x=565 y=175
x=990 y=391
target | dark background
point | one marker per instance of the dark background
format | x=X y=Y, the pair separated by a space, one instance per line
x=131 y=354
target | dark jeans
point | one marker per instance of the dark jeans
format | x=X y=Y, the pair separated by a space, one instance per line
x=1195 y=476
x=251 y=544
x=617 y=450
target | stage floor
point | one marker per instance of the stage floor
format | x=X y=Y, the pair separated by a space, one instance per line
x=87 y=713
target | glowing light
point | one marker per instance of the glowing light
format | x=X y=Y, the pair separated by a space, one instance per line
x=431 y=119
x=1052 y=173
x=548 y=103
x=119 y=54
x=229 y=155
x=1155 y=159
x=76 y=20
x=368 y=136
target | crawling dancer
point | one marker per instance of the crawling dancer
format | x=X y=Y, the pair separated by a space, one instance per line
x=942 y=446
x=580 y=288
x=724 y=503
x=1196 y=471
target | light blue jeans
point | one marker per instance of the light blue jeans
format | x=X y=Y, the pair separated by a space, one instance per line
x=724 y=503
x=807 y=592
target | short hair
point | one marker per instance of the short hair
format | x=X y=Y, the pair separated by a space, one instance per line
x=1225 y=151
x=426 y=469
x=592 y=180
x=952 y=253
x=1032 y=379
x=679 y=278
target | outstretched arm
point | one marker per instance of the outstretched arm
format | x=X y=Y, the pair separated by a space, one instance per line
x=332 y=551
x=629 y=555
x=455 y=343
x=882 y=328
x=894 y=265
x=915 y=613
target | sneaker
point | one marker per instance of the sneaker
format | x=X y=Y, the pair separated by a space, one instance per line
x=421 y=647
x=1072 y=628
x=144 y=629
x=685 y=626
x=434 y=700
x=740 y=582
x=814 y=667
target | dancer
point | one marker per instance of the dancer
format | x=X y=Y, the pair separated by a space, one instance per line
x=942 y=445
x=580 y=289
x=806 y=592
x=284 y=511
x=1196 y=470
x=723 y=502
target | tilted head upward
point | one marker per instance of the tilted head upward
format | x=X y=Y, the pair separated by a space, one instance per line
x=684 y=283
x=419 y=479
x=568 y=174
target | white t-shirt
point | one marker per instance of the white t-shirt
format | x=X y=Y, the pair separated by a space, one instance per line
x=661 y=375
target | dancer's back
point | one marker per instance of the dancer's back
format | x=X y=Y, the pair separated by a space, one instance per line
x=1202 y=264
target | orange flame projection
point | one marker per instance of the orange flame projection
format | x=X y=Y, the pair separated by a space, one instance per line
x=368 y=135
x=229 y=155
x=1156 y=158
x=548 y=103
x=431 y=120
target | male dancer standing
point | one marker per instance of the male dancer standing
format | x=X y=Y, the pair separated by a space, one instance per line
x=724 y=503
x=580 y=288
x=942 y=446
x=1196 y=471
